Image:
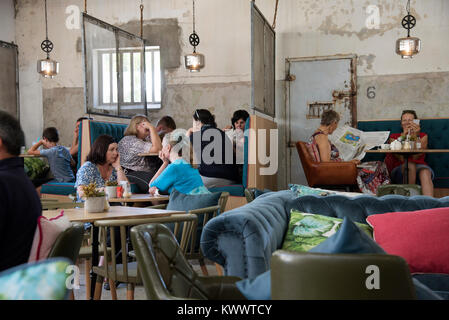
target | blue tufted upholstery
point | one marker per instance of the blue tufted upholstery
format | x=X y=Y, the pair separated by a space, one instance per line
x=242 y=240
x=97 y=128
x=437 y=130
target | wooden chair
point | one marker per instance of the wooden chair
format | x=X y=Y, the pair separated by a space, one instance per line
x=193 y=251
x=166 y=273
x=127 y=272
x=327 y=175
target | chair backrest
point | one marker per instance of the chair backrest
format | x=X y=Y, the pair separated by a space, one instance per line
x=223 y=200
x=165 y=272
x=319 y=276
x=68 y=243
x=188 y=222
x=90 y=130
x=306 y=161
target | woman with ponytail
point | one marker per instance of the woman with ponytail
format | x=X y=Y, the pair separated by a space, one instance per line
x=213 y=151
x=177 y=170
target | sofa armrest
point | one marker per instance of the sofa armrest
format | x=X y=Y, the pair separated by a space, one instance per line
x=243 y=239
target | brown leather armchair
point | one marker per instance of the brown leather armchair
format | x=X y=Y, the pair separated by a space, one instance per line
x=326 y=174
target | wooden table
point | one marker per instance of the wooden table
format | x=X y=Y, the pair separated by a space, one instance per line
x=25 y=155
x=152 y=154
x=140 y=198
x=406 y=154
x=115 y=212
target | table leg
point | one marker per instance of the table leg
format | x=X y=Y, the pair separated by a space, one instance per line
x=93 y=276
x=405 y=178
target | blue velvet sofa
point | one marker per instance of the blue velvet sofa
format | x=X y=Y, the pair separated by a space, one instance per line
x=242 y=240
x=436 y=129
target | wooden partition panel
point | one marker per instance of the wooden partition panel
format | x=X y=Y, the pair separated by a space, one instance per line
x=256 y=177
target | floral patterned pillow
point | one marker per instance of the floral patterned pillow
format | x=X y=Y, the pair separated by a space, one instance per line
x=306 y=230
x=44 y=280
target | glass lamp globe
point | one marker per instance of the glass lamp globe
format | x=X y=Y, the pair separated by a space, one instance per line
x=48 y=68
x=408 y=47
x=194 y=61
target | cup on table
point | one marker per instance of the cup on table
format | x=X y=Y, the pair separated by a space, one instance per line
x=119 y=192
x=385 y=146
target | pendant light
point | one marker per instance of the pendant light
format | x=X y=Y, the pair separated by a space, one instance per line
x=194 y=61
x=410 y=46
x=47 y=67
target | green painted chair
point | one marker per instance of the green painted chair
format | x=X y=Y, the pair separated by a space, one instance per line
x=167 y=274
x=321 y=276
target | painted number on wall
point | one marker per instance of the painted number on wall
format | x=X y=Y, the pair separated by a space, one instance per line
x=371 y=92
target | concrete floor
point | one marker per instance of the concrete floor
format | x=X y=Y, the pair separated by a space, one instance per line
x=139 y=292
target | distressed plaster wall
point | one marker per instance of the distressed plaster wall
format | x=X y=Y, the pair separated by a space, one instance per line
x=427 y=93
x=182 y=100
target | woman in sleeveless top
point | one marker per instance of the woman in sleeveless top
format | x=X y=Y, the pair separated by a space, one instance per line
x=369 y=178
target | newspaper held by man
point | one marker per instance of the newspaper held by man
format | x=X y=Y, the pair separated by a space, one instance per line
x=353 y=143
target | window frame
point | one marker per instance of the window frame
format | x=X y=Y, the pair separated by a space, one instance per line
x=98 y=82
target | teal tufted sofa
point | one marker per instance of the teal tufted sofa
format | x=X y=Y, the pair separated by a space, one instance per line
x=437 y=130
x=242 y=240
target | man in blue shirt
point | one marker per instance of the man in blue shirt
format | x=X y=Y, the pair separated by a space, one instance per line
x=20 y=205
x=58 y=156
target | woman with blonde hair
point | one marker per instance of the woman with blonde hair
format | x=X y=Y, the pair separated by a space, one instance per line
x=177 y=171
x=140 y=137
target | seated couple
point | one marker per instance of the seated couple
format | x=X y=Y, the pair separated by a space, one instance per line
x=379 y=173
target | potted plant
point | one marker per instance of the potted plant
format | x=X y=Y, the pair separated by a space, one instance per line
x=111 y=189
x=95 y=199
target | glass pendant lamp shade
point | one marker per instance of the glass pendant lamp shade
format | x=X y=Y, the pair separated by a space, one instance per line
x=408 y=47
x=194 y=61
x=47 y=67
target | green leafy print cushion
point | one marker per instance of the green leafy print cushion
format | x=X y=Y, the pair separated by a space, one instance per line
x=306 y=230
x=35 y=281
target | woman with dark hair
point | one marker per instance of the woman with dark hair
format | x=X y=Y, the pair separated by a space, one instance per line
x=102 y=164
x=418 y=169
x=213 y=151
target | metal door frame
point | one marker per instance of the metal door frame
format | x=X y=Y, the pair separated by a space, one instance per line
x=288 y=78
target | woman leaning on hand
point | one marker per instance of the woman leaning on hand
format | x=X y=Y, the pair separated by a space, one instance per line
x=102 y=165
x=418 y=169
x=140 y=137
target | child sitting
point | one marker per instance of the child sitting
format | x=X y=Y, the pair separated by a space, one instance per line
x=58 y=156
x=176 y=171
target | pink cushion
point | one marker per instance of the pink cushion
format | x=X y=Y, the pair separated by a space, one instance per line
x=47 y=231
x=420 y=237
x=313 y=151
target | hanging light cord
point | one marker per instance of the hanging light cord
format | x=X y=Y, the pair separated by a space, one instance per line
x=85 y=6
x=193 y=16
x=46 y=26
x=275 y=14
x=408 y=6
x=141 y=19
